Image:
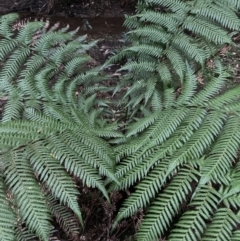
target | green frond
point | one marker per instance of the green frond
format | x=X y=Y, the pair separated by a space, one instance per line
x=222 y=155
x=176 y=6
x=209 y=91
x=235 y=235
x=27 y=81
x=193 y=222
x=48 y=41
x=231 y=196
x=164 y=73
x=189 y=88
x=141 y=125
x=230 y=193
x=145 y=190
x=233 y=4
x=189 y=48
x=206 y=29
x=65 y=52
x=199 y=142
x=166 y=205
x=156 y=101
x=222 y=224
x=8 y=218
x=164 y=126
x=142 y=49
x=76 y=165
x=166 y=34
x=176 y=60
x=6 y=47
x=6 y=22
x=27 y=192
x=88 y=155
x=54 y=175
x=11 y=68
x=42 y=83
x=217 y=13
x=150 y=89
x=153 y=34
x=176 y=136
x=165 y=20
x=225 y=100
x=169 y=98
x=64 y=217
x=133 y=66
x=26 y=34
x=72 y=66
x=13 y=108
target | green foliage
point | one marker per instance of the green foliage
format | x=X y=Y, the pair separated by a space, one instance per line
x=178 y=156
x=47 y=137
x=191 y=143
x=164 y=34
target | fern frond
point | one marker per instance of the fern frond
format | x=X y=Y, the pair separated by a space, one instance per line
x=64 y=217
x=26 y=34
x=189 y=87
x=13 y=108
x=222 y=154
x=223 y=222
x=48 y=41
x=189 y=48
x=133 y=66
x=174 y=5
x=8 y=218
x=234 y=4
x=6 y=22
x=54 y=175
x=210 y=90
x=30 y=200
x=198 y=142
x=235 y=235
x=207 y=30
x=166 y=205
x=6 y=47
x=193 y=222
x=73 y=65
x=23 y=234
x=12 y=66
x=156 y=101
x=182 y=32
x=217 y=13
x=76 y=165
x=27 y=81
x=145 y=190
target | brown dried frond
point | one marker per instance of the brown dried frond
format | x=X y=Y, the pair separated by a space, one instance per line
x=137 y=218
x=108 y=208
x=225 y=49
x=211 y=64
x=200 y=78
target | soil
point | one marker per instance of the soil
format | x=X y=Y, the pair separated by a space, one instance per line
x=105 y=25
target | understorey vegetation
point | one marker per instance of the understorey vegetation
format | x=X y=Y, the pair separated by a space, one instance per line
x=159 y=160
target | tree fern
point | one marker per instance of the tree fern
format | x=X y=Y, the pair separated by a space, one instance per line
x=164 y=34
x=192 y=223
x=178 y=159
x=64 y=216
x=27 y=192
x=7 y=216
x=190 y=131
x=46 y=136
